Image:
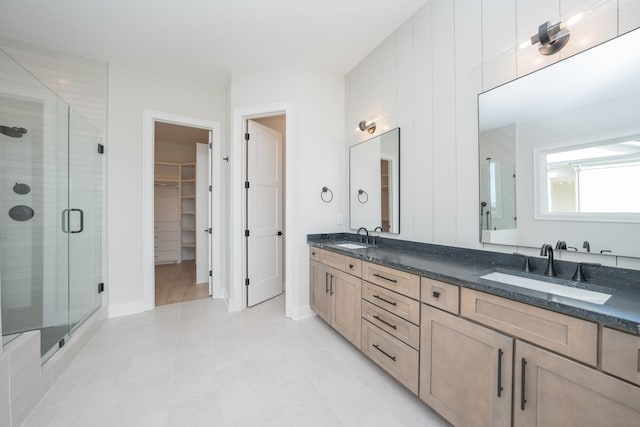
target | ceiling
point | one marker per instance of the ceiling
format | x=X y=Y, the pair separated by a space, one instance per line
x=169 y=133
x=209 y=36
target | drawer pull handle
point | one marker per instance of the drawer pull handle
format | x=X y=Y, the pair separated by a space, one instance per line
x=436 y=294
x=326 y=282
x=500 y=353
x=377 y=347
x=385 y=300
x=639 y=360
x=522 y=383
x=385 y=278
x=331 y=284
x=313 y=253
x=375 y=316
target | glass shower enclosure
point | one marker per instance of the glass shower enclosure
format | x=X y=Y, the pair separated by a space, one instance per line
x=50 y=211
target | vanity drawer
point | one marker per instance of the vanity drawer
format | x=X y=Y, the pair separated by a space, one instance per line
x=353 y=266
x=398 y=281
x=166 y=256
x=314 y=253
x=332 y=259
x=564 y=334
x=397 y=304
x=166 y=236
x=392 y=355
x=166 y=226
x=441 y=295
x=621 y=354
x=403 y=330
x=171 y=245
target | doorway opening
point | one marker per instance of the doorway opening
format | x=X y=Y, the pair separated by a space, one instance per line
x=265 y=207
x=181 y=208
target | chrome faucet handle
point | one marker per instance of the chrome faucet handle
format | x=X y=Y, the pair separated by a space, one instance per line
x=578 y=276
x=527 y=262
x=561 y=244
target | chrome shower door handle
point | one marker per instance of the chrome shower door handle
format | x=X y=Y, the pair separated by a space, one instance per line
x=81 y=220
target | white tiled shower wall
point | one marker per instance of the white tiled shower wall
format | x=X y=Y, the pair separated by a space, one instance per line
x=425 y=78
x=82 y=83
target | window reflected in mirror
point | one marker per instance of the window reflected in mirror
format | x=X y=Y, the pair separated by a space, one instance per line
x=597 y=179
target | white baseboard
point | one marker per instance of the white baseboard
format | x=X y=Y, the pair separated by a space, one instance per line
x=124 y=309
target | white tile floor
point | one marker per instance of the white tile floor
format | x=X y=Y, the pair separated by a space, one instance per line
x=194 y=364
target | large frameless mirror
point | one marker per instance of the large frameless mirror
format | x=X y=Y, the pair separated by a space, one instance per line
x=559 y=153
x=374 y=183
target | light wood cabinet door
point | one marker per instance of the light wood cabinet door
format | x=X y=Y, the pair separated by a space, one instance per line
x=346 y=306
x=319 y=290
x=550 y=390
x=465 y=370
x=564 y=334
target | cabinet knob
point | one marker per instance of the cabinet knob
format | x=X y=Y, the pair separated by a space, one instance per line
x=350 y=265
x=436 y=294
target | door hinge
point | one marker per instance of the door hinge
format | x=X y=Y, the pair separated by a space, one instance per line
x=246 y=233
x=210 y=230
x=246 y=184
x=246 y=136
x=100 y=287
x=210 y=273
x=210 y=188
x=61 y=343
x=100 y=149
x=210 y=145
x=246 y=281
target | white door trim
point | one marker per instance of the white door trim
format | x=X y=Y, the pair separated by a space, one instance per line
x=148 y=271
x=237 y=298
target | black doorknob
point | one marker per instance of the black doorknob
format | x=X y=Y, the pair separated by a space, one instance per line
x=279 y=233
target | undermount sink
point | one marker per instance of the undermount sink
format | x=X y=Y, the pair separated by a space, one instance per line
x=550 y=288
x=350 y=246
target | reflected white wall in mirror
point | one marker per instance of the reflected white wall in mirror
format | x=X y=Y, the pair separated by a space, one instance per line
x=374 y=183
x=571 y=130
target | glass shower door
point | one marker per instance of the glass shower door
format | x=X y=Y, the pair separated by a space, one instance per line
x=85 y=219
x=34 y=253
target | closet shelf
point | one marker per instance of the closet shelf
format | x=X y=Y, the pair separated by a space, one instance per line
x=188 y=245
x=188 y=197
x=188 y=213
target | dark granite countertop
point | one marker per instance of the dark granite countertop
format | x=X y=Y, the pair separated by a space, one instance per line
x=465 y=266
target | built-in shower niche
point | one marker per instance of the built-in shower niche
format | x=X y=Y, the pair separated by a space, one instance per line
x=50 y=212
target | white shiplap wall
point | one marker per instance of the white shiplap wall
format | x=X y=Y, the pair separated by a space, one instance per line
x=81 y=82
x=425 y=78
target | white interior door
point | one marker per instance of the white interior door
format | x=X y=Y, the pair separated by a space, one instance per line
x=203 y=219
x=264 y=213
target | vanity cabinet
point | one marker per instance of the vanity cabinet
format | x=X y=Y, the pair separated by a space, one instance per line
x=465 y=370
x=336 y=298
x=564 y=334
x=390 y=321
x=621 y=355
x=551 y=390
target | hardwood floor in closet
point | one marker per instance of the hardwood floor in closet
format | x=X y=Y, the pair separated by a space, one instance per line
x=177 y=283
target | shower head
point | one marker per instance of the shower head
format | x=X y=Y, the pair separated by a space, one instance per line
x=13 y=132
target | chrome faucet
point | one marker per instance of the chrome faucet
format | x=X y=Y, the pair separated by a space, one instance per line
x=547 y=250
x=366 y=232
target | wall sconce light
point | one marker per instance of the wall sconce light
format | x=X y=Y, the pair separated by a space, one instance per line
x=552 y=38
x=369 y=126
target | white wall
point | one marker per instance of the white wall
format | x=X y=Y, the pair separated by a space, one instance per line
x=425 y=78
x=130 y=92
x=317 y=150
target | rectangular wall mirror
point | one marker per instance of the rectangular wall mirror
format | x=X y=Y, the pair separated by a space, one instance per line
x=559 y=153
x=374 y=183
